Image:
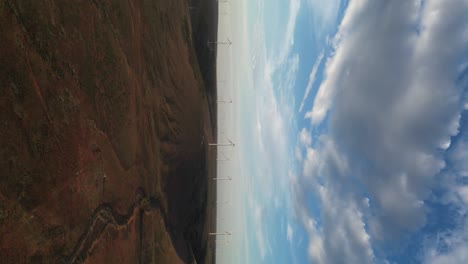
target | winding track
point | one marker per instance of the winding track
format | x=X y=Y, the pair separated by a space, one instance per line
x=103 y=216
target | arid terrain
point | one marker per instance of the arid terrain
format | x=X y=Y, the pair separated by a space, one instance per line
x=107 y=108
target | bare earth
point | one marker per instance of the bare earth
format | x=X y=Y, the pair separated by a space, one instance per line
x=104 y=105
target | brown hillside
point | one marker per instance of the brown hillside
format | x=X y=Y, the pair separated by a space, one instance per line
x=104 y=105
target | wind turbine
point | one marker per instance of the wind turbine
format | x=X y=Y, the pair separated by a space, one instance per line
x=230 y=144
x=227 y=42
x=225 y=101
x=223 y=179
x=225 y=242
x=225 y=233
x=221 y=81
x=225 y=158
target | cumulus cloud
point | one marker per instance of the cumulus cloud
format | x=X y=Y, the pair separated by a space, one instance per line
x=459 y=255
x=311 y=163
x=391 y=105
x=341 y=237
x=450 y=245
x=399 y=102
x=458 y=157
x=305 y=138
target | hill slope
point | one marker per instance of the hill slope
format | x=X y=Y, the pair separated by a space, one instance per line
x=104 y=107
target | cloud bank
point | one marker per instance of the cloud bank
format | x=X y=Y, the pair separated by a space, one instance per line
x=268 y=109
x=392 y=105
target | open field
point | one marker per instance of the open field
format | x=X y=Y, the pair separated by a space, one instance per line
x=104 y=105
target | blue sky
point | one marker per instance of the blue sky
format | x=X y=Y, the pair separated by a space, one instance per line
x=350 y=119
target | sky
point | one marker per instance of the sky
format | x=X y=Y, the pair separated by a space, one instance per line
x=350 y=122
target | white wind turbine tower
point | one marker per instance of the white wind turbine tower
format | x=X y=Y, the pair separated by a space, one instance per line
x=224 y=242
x=224 y=159
x=227 y=201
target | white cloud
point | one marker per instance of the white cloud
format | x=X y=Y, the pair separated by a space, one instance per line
x=289 y=233
x=285 y=87
x=261 y=241
x=459 y=255
x=451 y=245
x=312 y=75
x=273 y=118
x=260 y=238
x=324 y=14
x=274 y=110
x=316 y=248
x=311 y=163
x=342 y=236
x=334 y=65
x=305 y=138
x=392 y=106
x=458 y=156
x=463 y=193
x=267 y=118
x=298 y=153
x=288 y=42
x=292 y=71
x=345 y=231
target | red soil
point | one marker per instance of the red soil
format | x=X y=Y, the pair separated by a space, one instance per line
x=100 y=99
